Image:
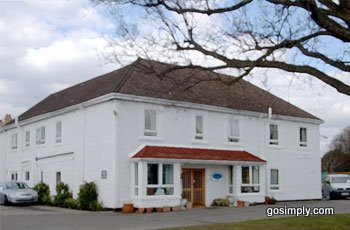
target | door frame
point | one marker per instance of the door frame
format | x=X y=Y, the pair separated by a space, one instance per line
x=192 y=189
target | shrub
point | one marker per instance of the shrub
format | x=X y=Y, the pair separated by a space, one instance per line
x=71 y=203
x=63 y=194
x=43 y=193
x=220 y=202
x=87 y=197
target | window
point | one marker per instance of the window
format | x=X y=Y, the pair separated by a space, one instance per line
x=250 y=179
x=150 y=123
x=199 y=128
x=58 y=178
x=14 y=141
x=14 y=176
x=160 y=179
x=42 y=176
x=40 y=135
x=103 y=174
x=274 y=179
x=273 y=134
x=230 y=179
x=27 y=139
x=303 y=137
x=27 y=175
x=136 y=178
x=58 y=132
x=233 y=130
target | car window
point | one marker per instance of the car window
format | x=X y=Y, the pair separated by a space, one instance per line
x=340 y=179
x=16 y=185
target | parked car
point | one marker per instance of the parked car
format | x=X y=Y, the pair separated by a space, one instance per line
x=336 y=186
x=15 y=192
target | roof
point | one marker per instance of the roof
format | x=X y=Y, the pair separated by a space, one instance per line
x=195 y=154
x=154 y=79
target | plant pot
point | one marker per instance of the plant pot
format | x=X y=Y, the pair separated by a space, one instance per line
x=142 y=210
x=183 y=202
x=176 y=208
x=267 y=200
x=159 y=209
x=189 y=205
x=240 y=203
x=246 y=204
x=230 y=199
x=128 y=208
x=149 y=210
x=166 y=209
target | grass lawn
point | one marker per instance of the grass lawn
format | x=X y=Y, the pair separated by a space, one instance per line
x=336 y=222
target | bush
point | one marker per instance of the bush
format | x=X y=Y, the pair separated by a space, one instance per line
x=220 y=202
x=63 y=194
x=43 y=193
x=71 y=203
x=87 y=197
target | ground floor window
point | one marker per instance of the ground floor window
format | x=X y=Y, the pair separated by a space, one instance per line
x=136 y=178
x=27 y=175
x=274 y=179
x=250 y=179
x=58 y=178
x=160 y=179
x=14 y=176
x=230 y=179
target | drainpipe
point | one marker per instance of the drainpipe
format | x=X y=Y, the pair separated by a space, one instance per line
x=269 y=116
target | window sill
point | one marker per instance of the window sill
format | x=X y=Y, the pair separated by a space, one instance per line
x=299 y=148
x=236 y=144
x=58 y=144
x=150 y=138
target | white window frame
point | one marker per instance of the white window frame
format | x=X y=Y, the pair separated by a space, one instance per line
x=276 y=186
x=301 y=142
x=199 y=136
x=160 y=183
x=136 y=179
x=27 y=175
x=231 y=138
x=251 y=184
x=40 y=135
x=58 y=132
x=273 y=141
x=14 y=141
x=150 y=132
x=27 y=141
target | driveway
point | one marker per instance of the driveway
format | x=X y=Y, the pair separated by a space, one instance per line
x=51 y=218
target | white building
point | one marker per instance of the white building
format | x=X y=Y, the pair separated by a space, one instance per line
x=150 y=136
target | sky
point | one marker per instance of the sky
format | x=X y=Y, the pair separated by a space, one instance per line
x=46 y=46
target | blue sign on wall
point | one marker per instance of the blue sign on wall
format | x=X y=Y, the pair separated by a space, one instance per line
x=217 y=176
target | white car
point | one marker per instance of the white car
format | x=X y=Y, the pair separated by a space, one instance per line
x=15 y=192
x=336 y=186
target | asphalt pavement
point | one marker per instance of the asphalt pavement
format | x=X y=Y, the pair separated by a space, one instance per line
x=52 y=218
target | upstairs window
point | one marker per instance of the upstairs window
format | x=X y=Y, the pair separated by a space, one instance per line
x=27 y=138
x=59 y=132
x=199 y=128
x=14 y=141
x=303 y=137
x=150 y=123
x=233 y=130
x=40 y=135
x=273 y=134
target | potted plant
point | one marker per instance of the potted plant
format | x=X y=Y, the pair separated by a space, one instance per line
x=128 y=208
x=149 y=210
x=240 y=203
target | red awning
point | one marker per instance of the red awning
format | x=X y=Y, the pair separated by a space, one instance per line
x=163 y=152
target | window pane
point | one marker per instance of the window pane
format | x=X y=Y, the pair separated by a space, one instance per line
x=43 y=133
x=27 y=136
x=27 y=175
x=150 y=120
x=255 y=172
x=168 y=174
x=273 y=132
x=199 y=125
x=58 y=177
x=230 y=175
x=245 y=175
x=58 y=129
x=136 y=173
x=152 y=173
x=302 y=134
x=274 y=177
x=234 y=128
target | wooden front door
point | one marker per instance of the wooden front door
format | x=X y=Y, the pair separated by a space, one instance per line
x=193 y=184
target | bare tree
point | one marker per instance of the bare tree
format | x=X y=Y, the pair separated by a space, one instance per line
x=338 y=158
x=302 y=37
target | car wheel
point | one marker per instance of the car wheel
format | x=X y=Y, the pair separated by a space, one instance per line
x=6 y=201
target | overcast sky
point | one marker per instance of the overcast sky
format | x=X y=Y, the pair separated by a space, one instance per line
x=46 y=46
